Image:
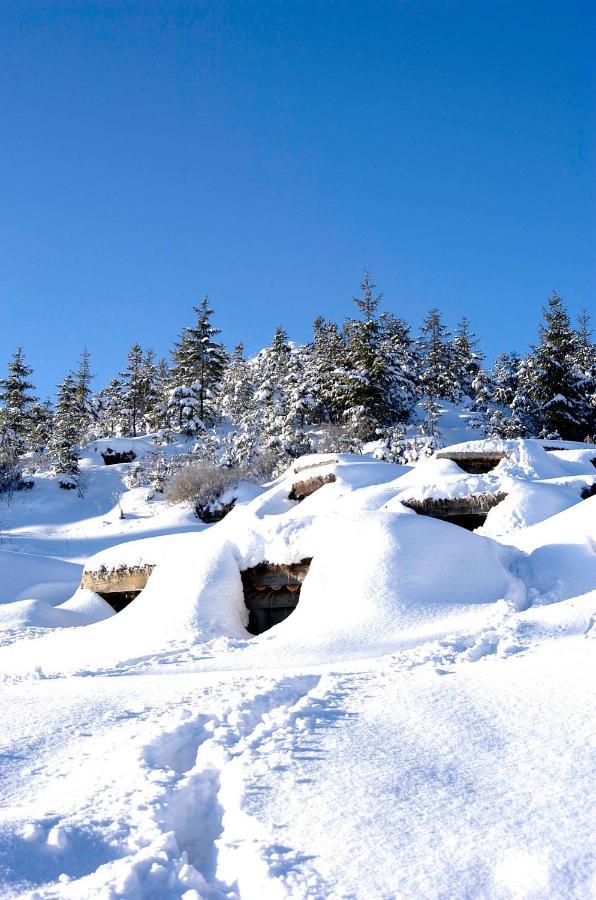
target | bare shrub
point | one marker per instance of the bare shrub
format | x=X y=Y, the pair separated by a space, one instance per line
x=201 y=485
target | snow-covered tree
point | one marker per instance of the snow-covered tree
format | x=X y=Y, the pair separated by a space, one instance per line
x=378 y=388
x=42 y=418
x=550 y=378
x=237 y=388
x=398 y=347
x=585 y=365
x=435 y=374
x=324 y=371
x=272 y=369
x=436 y=370
x=66 y=433
x=83 y=377
x=133 y=390
x=155 y=383
x=502 y=403
x=465 y=361
x=16 y=401
x=110 y=409
x=199 y=361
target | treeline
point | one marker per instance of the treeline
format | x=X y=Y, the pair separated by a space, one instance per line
x=368 y=379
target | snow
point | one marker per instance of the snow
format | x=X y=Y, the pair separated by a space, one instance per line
x=419 y=726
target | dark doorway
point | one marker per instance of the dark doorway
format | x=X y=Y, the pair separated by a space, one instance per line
x=474 y=463
x=467 y=512
x=119 y=601
x=272 y=592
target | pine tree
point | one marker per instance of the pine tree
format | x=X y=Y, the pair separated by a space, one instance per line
x=272 y=368
x=237 y=389
x=66 y=433
x=436 y=370
x=398 y=348
x=549 y=378
x=110 y=409
x=42 y=418
x=585 y=365
x=378 y=392
x=133 y=389
x=16 y=400
x=435 y=373
x=507 y=414
x=83 y=377
x=155 y=378
x=324 y=371
x=465 y=361
x=482 y=401
x=199 y=363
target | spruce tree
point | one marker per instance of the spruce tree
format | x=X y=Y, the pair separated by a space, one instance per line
x=465 y=360
x=436 y=370
x=111 y=410
x=272 y=369
x=199 y=361
x=237 y=389
x=16 y=402
x=66 y=433
x=83 y=377
x=550 y=379
x=377 y=391
x=508 y=414
x=133 y=389
x=42 y=418
x=154 y=378
x=435 y=373
x=324 y=371
x=585 y=365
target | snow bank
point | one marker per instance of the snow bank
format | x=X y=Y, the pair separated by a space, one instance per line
x=379 y=581
x=79 y=610
x=526 y=504
x=562 y=553
x=28 y=577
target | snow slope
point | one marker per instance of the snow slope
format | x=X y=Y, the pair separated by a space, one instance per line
x=421 y=726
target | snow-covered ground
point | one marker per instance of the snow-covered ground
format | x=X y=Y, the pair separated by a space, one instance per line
x=420 y=727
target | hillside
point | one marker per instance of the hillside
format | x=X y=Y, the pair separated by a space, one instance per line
x=418 y=726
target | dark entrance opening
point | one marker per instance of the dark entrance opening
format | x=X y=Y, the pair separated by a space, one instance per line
x=119 y=601
x=308 y=486
x=474 y=463
x=467 y=512
x=113 y=457
x=272 y=592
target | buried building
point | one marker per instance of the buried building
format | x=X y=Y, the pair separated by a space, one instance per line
x=467 y=512
x=260 y=594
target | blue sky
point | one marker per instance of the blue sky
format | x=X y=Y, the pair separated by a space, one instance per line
x=265 y=153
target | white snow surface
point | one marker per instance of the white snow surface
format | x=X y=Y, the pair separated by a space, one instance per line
x=422 y=726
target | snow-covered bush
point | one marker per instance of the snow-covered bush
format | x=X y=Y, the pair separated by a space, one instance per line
x=202 y=485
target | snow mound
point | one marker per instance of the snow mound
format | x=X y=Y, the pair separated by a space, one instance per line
x=79 y=610
x=526 y=504
x=370 y=586
x=562 y=553
x=29 y=577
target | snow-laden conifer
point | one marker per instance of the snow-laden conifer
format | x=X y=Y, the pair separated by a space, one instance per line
x=66 y=433
x=16 y=401
x=199 y=361
x=550 y=379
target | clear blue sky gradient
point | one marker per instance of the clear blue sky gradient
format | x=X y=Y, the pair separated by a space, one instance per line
x=265 y=153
